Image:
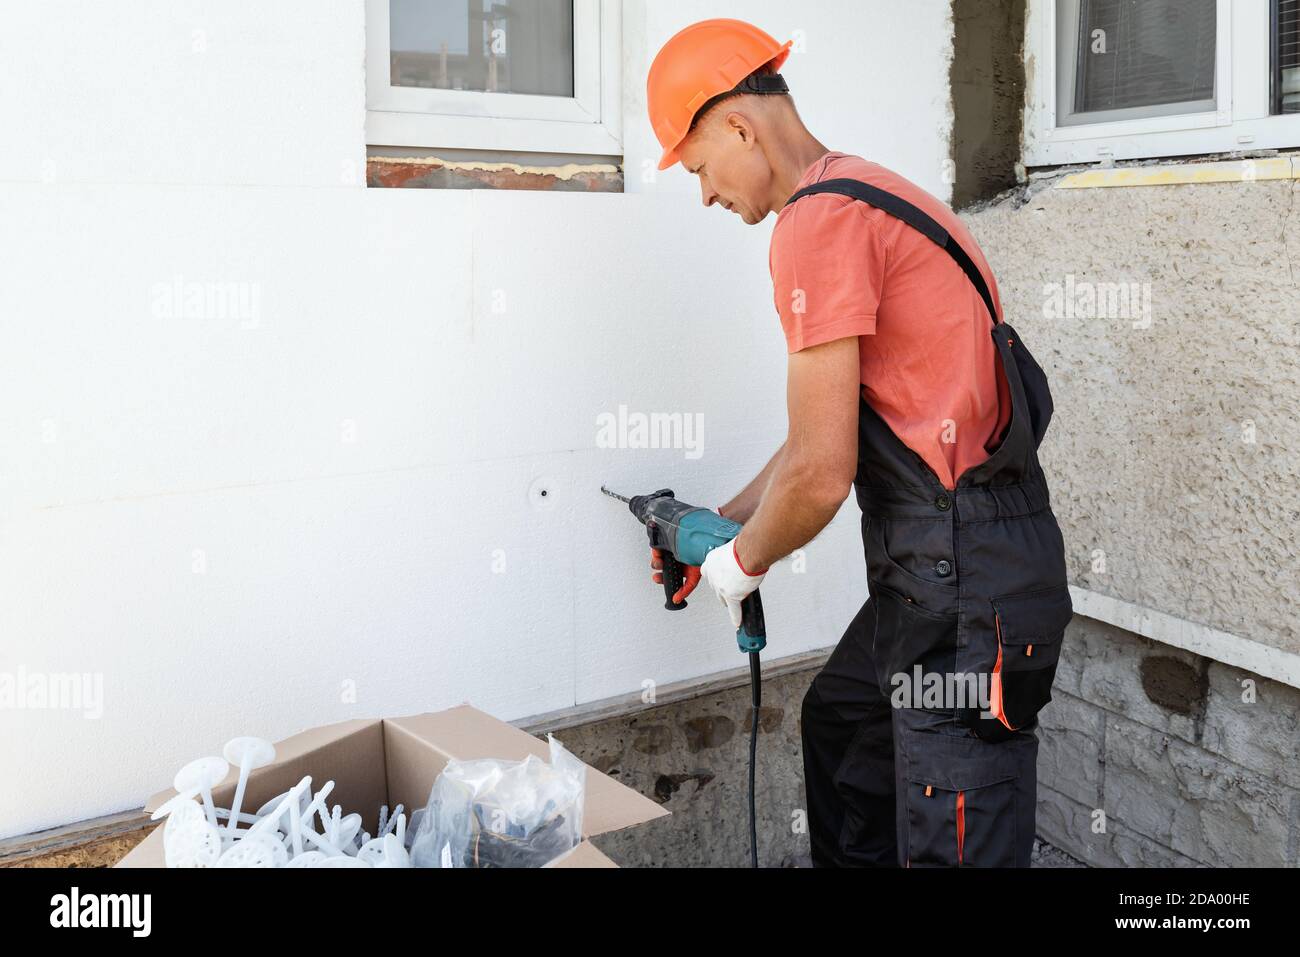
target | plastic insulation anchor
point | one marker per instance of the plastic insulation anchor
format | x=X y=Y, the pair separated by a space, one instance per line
x=756 y=698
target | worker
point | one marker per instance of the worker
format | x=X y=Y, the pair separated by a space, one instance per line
x=903 y=382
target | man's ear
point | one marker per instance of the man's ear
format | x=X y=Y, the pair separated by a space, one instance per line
x=738 y=124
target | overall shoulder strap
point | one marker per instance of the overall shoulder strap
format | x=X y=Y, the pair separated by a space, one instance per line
x=915 y=217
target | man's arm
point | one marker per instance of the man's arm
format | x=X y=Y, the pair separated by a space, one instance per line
x=741 y=508
x=815 y=468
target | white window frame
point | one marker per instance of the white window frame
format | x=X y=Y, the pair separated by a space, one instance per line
x=1241 y=120
x=589 y=122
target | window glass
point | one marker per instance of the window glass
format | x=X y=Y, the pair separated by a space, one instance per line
x=479 y=45
x=1288 y=56
x=1128 y=59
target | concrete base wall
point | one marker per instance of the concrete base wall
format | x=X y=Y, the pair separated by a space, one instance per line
x=1156 y=757
x=692 y=756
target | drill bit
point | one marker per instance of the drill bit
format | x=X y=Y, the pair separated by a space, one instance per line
x=626 y=501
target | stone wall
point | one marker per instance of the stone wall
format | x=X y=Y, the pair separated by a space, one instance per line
x=1154 y=757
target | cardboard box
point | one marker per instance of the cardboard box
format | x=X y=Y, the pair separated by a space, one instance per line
x=377 y=761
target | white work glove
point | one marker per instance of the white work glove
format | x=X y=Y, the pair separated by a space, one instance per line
x=729 y=581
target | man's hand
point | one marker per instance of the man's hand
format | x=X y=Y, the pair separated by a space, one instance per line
x=729 y=580
x=690 y=575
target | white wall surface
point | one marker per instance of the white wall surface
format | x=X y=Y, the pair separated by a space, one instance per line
x=230 y=520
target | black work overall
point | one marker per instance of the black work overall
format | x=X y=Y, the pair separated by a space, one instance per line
x=967 y=592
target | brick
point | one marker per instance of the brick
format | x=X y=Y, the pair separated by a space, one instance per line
x=1068 y=825
x=1192 y=801
x=1262 y=734
x=1071 y=744
x=1143 y=680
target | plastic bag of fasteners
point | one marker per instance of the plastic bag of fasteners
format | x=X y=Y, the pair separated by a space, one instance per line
x=490 y=813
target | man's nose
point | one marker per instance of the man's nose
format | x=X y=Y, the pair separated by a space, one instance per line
x=707 y=194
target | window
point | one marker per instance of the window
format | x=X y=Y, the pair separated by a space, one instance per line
x=523 y=75
x=1134 y=60
x=1125 y=79
x=1285 y=43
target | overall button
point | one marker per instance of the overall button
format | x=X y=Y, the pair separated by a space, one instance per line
x=943 y=503
x=944 y=568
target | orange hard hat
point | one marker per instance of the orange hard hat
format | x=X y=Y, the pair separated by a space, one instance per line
x=705 y=59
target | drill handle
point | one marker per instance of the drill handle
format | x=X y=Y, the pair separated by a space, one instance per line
x=752 y=635
x=674 y=577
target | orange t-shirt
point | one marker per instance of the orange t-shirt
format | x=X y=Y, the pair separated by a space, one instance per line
x=929 y=366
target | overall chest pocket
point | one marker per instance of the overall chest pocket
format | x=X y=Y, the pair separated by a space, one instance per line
x=1030 y=628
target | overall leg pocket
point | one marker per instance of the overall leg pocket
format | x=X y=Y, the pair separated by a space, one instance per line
x=1029 y=628
x=962 y=800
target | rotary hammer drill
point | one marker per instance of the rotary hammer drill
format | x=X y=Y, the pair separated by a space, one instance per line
x=684 y=534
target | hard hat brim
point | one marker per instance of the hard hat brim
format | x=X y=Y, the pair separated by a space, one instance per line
x=778 y=61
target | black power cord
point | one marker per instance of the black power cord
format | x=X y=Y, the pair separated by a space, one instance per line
x=756 y=699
